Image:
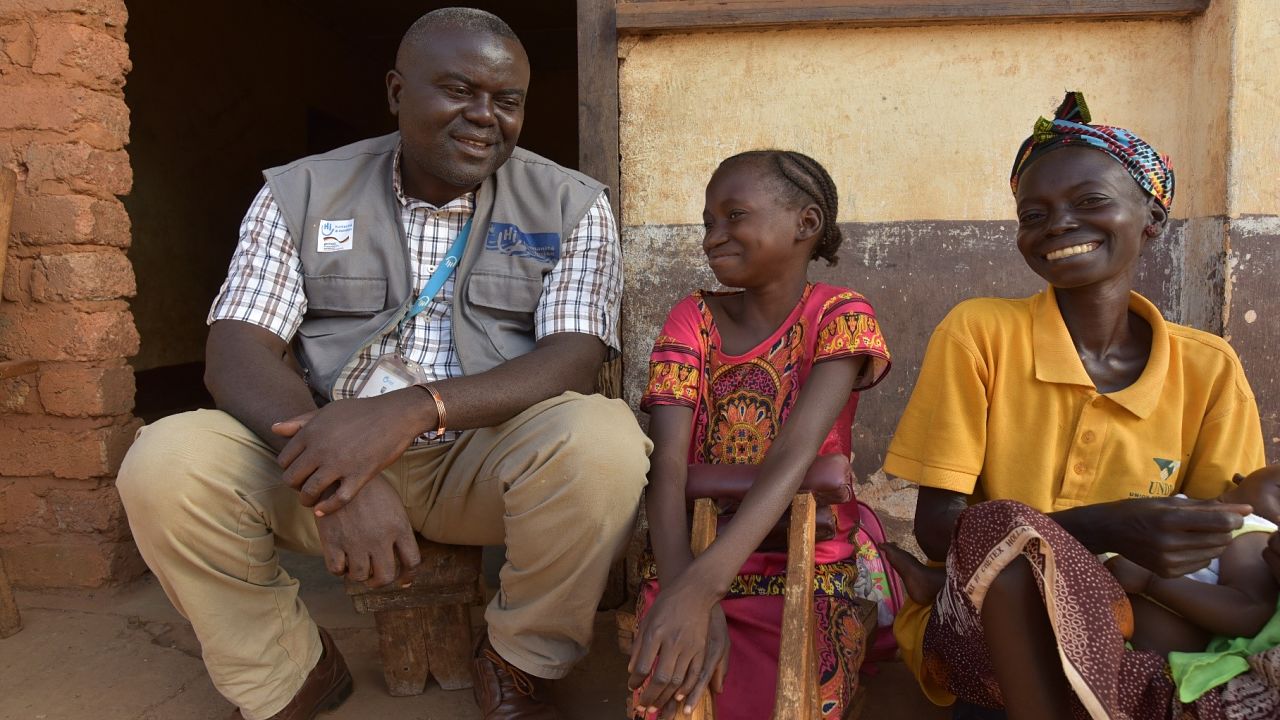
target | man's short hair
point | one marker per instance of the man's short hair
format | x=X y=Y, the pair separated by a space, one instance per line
x=457 y=18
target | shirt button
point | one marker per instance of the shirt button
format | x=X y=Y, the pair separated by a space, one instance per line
x=431 y=268
x=1088 y=436
x=1079 y=468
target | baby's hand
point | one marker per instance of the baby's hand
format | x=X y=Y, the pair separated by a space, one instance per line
x=1271 y=554
x=1134 y=578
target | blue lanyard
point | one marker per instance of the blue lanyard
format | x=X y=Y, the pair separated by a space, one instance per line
x=438 y=278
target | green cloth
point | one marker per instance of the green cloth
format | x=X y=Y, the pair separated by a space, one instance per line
x=1224 y=658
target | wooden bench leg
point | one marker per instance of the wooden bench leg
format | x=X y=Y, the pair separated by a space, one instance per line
x=425 y=629
x=418 y=643
x=798 y=693
x=403 y=647
x=797 y=697
x=449 y=645
x=701 y=536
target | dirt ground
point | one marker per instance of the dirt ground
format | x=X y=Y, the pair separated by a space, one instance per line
x=126 y=653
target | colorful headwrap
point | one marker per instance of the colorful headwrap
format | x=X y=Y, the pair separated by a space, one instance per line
x=1070 y=126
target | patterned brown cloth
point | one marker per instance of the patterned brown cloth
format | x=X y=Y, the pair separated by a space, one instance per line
x=1256 y=694
x=1090 y=616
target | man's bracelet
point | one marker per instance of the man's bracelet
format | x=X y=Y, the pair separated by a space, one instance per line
x=440 y=411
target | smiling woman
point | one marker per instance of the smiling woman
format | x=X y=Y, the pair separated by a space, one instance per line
x=1082 y=225
x=1112 y=201
x=1078 y=411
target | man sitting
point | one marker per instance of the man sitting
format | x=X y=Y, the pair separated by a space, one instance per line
x=423 y=397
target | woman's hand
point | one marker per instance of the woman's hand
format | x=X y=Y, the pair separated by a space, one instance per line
x=682 y=645
x=1168 y=536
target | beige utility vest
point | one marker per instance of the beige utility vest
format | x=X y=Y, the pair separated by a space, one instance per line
x=360 y=288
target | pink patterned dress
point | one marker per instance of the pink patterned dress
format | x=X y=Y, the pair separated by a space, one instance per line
x=740 y=402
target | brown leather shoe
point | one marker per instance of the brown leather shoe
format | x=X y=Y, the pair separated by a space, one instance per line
x=503 y=691
x=327 y=686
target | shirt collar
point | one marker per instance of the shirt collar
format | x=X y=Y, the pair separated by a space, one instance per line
x=463 y=204
x=1056 y=360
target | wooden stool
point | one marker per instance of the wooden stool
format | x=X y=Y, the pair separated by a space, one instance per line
x=424 y=630
x=797 y=697
x=798 y=694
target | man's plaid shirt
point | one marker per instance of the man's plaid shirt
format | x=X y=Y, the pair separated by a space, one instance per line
x=581 y=294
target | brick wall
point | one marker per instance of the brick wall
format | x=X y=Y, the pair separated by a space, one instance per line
x=65 y=420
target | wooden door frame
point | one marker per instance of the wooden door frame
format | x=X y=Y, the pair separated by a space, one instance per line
x=598 y=141
x=653 y=16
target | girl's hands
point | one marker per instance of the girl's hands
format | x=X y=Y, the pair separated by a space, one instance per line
x=681 y=647
x=717 y=660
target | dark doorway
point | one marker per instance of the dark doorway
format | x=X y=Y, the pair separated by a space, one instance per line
x=219 y=91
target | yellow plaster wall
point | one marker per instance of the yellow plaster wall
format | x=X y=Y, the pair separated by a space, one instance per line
x=1202 y=166
x=1255 y=107
x=913 y=123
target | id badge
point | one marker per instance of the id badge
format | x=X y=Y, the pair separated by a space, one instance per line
x=391 y=372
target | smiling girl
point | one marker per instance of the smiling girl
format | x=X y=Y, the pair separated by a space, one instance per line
x=766 y=375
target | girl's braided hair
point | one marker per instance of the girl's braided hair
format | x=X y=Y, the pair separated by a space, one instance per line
x=803 y=180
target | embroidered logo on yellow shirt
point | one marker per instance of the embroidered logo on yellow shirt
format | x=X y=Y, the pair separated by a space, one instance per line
x=1168 y=468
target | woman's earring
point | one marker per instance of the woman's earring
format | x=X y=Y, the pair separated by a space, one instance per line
x=1152 y=230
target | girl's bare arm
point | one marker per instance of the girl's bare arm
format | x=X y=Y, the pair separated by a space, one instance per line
x=683 y=639
x=793 y=450
x=670 y=427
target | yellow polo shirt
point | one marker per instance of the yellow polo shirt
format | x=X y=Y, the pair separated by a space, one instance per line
x=1003 y=409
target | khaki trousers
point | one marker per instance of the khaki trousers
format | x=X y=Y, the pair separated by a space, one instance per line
x=558 y=484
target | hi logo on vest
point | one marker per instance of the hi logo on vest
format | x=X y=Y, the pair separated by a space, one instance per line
x=511 y=240
x=335 y=235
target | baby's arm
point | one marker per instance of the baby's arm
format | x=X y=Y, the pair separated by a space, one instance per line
x=1155 y=627
x=1242 y=602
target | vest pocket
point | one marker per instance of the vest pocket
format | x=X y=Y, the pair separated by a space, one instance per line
x=512 y=293
x=508 y=304
x=332 y=295
x=312 y=327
